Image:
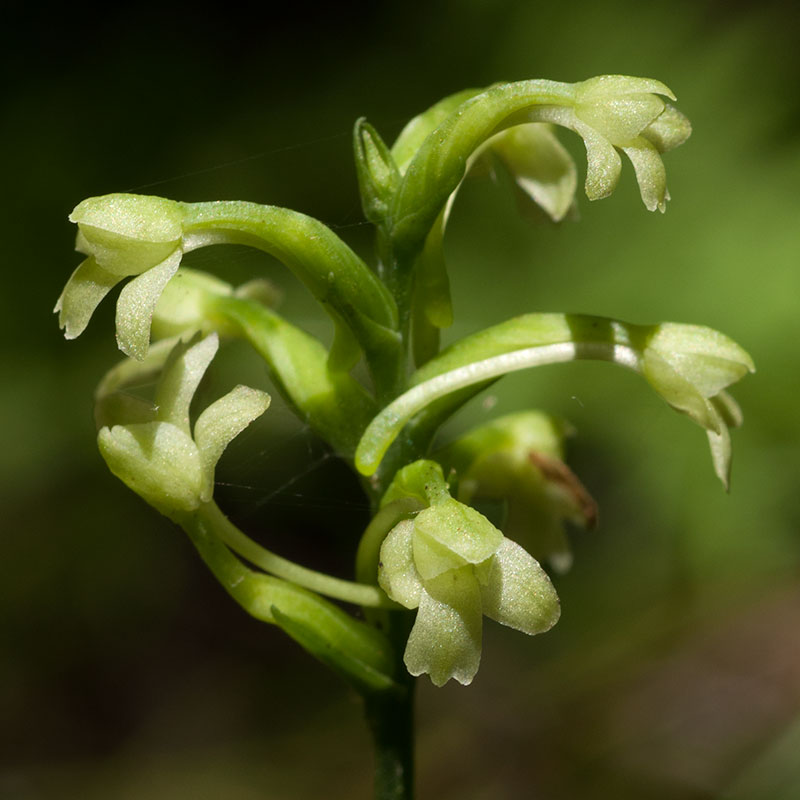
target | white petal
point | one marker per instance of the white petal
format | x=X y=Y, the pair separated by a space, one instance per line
x=445 y=641
x=221 y=422
x=397 y=574
x=518 y=592
x=182 y=375
x=87 y=286
x=136 y=304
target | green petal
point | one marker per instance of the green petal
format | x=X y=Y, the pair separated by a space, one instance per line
x=129 y=233
x=603 y=163
x=158 y=461
x=720 y=444
x=432 y=558
x=87 y=286
x=650 y=173
x=619 y=107
x=221 y=422
x=604 y=86
x=540 y=165
x=679 y=392
x=459 y=530
x=705 y=357
x=445 y=641
x=621 y=119
x=517 y=592
x=182 y=375
x=668 y=130
x=136 y=304
x=397 y=574
x=728 y=409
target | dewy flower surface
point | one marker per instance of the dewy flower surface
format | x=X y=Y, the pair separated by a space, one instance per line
x=454 y=567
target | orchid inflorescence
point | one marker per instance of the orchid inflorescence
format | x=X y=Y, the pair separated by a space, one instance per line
x=428 y=552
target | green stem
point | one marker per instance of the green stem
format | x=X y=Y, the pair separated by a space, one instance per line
x=360 y=305
x=390 y=716
x=384 y=429
x=229 y=534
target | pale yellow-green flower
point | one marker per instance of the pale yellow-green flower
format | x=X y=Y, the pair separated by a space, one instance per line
x=122 y=235
x=615 y=113
x=453 y=566
x=165 y=459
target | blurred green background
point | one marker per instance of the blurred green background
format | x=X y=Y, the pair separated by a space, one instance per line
x=125 y=672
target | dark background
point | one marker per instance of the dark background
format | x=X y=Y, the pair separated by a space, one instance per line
x=125 y=672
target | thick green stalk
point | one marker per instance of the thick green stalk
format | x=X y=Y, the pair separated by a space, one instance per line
x=390 y=716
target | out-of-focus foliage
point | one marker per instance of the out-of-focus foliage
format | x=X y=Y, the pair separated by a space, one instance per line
x=675 y=669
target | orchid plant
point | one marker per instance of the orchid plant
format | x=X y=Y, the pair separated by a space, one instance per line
x=429 y=565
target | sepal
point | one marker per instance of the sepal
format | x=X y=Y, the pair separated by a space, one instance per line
x=128 y=233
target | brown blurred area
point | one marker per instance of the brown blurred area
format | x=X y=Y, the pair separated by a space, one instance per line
x=674 y=673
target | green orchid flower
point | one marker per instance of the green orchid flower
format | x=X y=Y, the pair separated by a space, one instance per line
x=122 y=235
x=617 y=112
x=163 y=459
x=453 y=566
x=690 y=366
